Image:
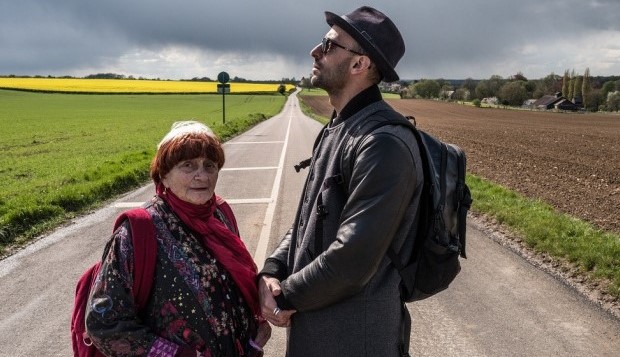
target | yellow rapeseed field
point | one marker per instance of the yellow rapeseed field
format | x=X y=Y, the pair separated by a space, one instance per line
x=78 y=85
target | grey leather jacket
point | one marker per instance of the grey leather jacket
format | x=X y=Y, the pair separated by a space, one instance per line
x=362 y=194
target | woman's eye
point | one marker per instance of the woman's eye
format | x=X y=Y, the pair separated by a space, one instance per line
x=210 y=167
x=186 y=165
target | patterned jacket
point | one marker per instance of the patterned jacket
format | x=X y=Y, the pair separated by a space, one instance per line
x=194 y=303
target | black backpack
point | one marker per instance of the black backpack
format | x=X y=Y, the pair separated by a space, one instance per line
x=440 y=238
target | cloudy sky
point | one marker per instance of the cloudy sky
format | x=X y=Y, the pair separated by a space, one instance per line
x=271 y=39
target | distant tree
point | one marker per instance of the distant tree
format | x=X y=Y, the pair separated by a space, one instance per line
x=594 y=100
x=282 y=89
x=305 y=82
x=105 y=76
x=608 y=87
x=426 y=88
x=495 y=83
x=461 y=94
x=565 y=82
x=551 y=84
x=519 y=77
x=530 y=87
x=585 y=88
x=470 y=85
x=513 y=93
x=483 y=90
x=613 y=102
x=444 y=84
x=571 y=86
x=577 y=87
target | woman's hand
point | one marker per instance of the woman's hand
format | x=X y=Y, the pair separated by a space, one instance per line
x=264 y=333
x=268 y=287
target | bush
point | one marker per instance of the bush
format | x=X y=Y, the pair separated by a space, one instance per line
x=476 y=102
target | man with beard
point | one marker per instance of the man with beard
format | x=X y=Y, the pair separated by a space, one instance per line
x=329 y=280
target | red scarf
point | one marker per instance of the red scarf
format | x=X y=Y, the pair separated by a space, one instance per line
x=225 y=246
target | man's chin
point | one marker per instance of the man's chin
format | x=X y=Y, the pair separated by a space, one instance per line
x=316 y=83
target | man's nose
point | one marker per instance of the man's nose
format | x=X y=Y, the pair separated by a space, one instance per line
x=316 y=51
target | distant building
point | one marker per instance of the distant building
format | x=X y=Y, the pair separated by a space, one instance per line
x=446 y=94
x=490 y=100
x=555 y=101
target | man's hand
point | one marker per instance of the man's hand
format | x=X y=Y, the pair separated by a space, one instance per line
x=268 y=287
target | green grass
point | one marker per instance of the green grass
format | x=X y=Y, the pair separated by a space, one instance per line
x=62 y=154
x=595 y=252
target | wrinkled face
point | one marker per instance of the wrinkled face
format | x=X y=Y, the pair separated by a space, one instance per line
x=331 y=68
x=193 y=180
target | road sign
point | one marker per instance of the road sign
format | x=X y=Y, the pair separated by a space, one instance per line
x=223 y=88
x=223 y=77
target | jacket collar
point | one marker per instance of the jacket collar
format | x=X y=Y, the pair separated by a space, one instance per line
x=364 y=98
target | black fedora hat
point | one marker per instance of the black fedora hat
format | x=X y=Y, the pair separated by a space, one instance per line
x=376 y=34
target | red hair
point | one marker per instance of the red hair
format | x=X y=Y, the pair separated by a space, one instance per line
x=185 y=146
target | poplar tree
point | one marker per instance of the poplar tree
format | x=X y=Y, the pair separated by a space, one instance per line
x=585 y=88
x=565 y=81
x=577 y=89
x=571 y=85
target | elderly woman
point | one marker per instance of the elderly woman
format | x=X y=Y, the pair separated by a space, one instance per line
x=203 y=300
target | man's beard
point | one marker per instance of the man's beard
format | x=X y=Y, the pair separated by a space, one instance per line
x=332 y=81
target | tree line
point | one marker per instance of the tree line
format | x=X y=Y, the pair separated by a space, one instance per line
x=589 y=93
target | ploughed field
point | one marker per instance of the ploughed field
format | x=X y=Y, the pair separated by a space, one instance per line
x=569 y=160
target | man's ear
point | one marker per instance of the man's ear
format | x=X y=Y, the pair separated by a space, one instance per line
x=361 y=63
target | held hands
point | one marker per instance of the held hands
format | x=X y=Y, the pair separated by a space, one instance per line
x=264 y=333
x=268 y=287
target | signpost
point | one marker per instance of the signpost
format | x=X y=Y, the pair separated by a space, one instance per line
x=223 y=87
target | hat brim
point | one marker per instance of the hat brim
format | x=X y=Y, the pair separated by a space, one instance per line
x=388 y=73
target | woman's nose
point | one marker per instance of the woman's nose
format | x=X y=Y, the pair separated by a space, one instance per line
x=201 y=173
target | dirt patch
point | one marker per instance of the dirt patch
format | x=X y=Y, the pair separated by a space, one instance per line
x=569 y=160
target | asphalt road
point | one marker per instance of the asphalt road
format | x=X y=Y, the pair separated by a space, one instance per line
x=500 y=305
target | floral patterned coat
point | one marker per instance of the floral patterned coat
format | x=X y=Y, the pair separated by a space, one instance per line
x=194 y=304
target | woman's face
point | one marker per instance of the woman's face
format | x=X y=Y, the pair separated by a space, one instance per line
x=193 y=180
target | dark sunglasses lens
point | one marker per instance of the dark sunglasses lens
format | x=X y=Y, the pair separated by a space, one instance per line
x=324 y=45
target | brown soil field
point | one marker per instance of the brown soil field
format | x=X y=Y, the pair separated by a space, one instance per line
x=569 y=160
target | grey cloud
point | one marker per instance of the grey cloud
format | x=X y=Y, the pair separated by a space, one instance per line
x=453 y=37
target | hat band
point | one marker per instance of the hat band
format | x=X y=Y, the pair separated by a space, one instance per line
x=361 y=32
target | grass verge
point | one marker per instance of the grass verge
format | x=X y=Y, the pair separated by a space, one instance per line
x=64 y=154
x=596 y=253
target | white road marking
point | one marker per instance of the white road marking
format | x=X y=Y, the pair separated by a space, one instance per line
x=249 y=168
x=263 y=241
x=261 y=248
x=238 y=201
x=253 y=142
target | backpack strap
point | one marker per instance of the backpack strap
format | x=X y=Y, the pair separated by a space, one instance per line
x=464 y=204
x=305 y=163
x=344 y=176
x=143 y=238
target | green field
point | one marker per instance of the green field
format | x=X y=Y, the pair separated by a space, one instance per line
x=62 y=154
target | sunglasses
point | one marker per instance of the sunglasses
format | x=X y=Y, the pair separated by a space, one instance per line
x=327 y=43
